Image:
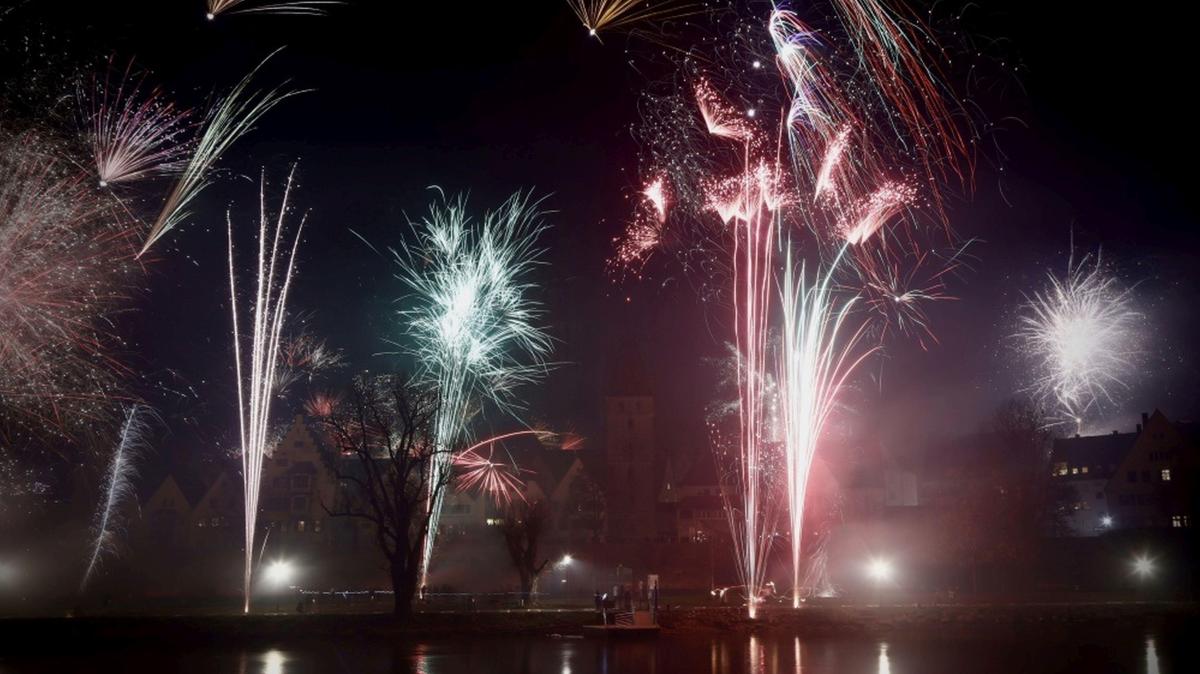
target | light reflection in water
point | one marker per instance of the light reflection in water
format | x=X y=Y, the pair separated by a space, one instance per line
x=796 y=655
x=885 y=663
x=1151 y=656
x=273 y=662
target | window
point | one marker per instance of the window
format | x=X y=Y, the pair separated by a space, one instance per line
x=300 y=526
x=1166 y=474
x=1074 y=470
x=1083 y=470
x=1179 y=521
x=316 y=526
x=301 y=481
x=1060 y=468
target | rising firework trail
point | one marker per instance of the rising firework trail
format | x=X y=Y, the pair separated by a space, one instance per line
x=473 y=327
x=119 y=487
x=256 y=377
x=234 y=116
x=133 y=130
x=1080 y=332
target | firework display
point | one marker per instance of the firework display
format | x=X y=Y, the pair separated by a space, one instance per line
x=256 y=376
x=789 y=180
x=66 y=267
x=1080 y=332
x=473 y=326
x=833 y=173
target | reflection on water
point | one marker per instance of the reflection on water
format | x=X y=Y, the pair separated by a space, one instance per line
x=669 y=654
x=1151 y=656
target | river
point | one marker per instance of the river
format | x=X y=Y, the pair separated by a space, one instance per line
x=1133 y=651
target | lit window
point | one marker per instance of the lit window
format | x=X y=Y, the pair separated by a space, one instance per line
x=1166 y=474
x=1179 y=521
x=317 y=526
x=300 y=526
x=1060 y=468
x=1083 y=470
x=1074 y=471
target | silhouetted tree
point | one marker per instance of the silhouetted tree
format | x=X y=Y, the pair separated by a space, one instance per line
x=380 y=446
x=523 y=526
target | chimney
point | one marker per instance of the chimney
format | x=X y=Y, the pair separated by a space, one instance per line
x=1139 y=429
x=1145 y=418
x=1114 y=432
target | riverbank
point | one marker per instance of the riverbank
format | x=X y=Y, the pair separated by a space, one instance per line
x=841 y=620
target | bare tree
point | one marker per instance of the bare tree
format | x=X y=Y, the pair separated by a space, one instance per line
x=380 y=447
x=524 y=524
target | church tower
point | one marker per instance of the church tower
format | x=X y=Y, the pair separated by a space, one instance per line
x=631 y=490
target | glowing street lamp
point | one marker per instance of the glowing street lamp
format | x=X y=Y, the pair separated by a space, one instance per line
x=1106 y=521
x=1143 y=566
x=880 y=570
x=566 y=560
x=279 y=572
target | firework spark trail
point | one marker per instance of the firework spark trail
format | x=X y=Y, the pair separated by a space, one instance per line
x=611 y=15
x=294 y=8
x=500 y=480
x=746 y=204
x=255 y=380
x=645 y=232
x=234 y=116
x=820 y=352
x=1080 y=332
x=473 y=330
x=133 y=134
x=877 y=210
x=118 y=486
x=66 y=266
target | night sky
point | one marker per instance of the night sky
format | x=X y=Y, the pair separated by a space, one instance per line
x=1093 y=134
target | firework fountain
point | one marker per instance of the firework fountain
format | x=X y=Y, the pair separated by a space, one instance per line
x=256 y=378
x=473 y=328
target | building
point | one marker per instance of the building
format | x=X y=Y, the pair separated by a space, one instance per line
x=1139 y=480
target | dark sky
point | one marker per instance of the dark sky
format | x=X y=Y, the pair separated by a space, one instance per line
x=491 y=97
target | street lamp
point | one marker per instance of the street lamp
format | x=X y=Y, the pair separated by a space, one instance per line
x=279 y=573
x=1143 y=566
x=566 y=560
x=1106 y=521
x=880 y=570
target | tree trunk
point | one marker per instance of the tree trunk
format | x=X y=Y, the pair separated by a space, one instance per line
x=404 y=587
